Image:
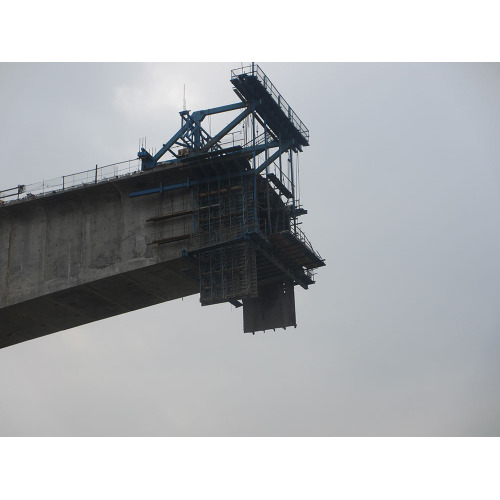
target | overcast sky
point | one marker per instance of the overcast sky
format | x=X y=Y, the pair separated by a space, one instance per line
x=400 y=336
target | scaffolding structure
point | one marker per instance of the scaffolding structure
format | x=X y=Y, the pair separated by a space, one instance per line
x=244 y=245
x=227 y=268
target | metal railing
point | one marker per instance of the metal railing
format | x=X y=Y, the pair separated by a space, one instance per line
x=65 y=182
x=299 y=234
x=255 y=70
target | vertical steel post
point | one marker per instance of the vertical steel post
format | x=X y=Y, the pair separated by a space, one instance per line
x=268 y=187
x=192 y=209
x=281 y=168
x=290 y=154
x=256 y=220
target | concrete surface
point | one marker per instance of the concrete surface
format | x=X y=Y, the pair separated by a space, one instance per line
x=77 y=256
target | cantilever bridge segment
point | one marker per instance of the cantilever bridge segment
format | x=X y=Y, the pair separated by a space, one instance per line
x=214 y=214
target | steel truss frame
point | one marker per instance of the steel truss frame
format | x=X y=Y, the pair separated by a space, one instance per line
x=238 y=209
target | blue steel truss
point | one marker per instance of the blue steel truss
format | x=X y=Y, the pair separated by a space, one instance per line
x=245 y=244
x=261 y=104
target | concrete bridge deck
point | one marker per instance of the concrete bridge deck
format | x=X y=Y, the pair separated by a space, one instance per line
x=221 y=221
x=88 y=253
x=72 y=257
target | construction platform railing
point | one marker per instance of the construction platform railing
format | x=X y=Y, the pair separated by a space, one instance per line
x=255 y=70
x=65 y=182
x=303 y=238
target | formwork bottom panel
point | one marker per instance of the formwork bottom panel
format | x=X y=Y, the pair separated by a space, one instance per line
x=273 y=308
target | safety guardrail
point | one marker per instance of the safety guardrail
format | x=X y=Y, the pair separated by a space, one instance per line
x=299 y=234
x=255 y=70
x=65 y=182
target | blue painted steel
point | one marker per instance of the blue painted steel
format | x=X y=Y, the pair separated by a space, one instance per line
x=282 y=149
x=267 y=203
x=259 y=97
x=228 y=128
x=192 y=133
x=293 y=192
x=283 y=132
x=251 y=80
x=187 y=184
x=161 y=188
x=223 y=109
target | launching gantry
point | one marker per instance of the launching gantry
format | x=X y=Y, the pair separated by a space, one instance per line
x=214 y=214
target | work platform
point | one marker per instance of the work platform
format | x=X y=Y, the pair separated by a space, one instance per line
x=196 y=217
x=251 y=83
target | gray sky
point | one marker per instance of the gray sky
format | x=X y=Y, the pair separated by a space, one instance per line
x=400 y=336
